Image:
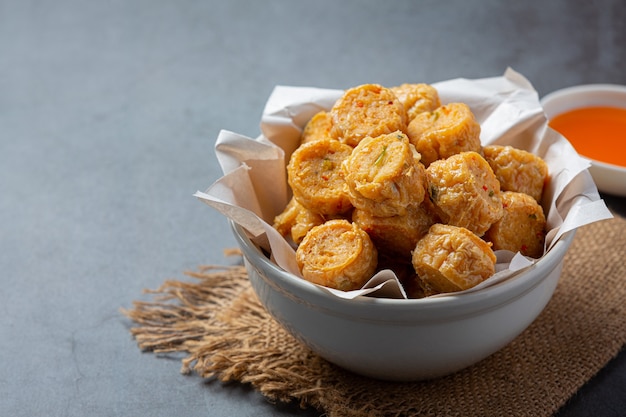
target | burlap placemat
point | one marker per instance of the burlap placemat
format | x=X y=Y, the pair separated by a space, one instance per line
x=227 y=335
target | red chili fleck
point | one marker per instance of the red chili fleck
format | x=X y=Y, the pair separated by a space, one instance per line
x=524 y=248
x=390 y=102
x=359 y=104
x=325 y=177
x=485 y=187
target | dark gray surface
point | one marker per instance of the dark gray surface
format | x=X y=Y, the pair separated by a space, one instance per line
x=108 y=115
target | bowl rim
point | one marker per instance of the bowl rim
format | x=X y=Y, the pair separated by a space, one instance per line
x=583 y=89
x=403 y=310
x=613 y=168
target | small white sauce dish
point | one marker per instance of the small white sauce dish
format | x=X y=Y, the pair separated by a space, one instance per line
x=609 y=178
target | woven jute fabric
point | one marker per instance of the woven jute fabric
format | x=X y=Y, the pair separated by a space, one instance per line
x=213 y=316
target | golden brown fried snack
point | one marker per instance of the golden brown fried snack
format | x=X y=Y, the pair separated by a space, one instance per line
x=417 y=98
x=296 y=221
x=314 y=174
x=522 y=228
x=396 y=235
x=367 y=110
x=465 y=192
x=384 y=175
x=448 y=130
x=451 y=258
x=517 y=170
x=318 y=128
x=337 y=254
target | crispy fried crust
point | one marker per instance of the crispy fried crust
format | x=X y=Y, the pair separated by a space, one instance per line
x=518 y=170
x=451 y=258
x=314 y=174
x=465 y=192
x=389 y=178
x=367 y=110
x=296 y=221
x=396 y=236
x=522 y=228
x=447 y=130
x=384 y=175
x=337 y=254
x=318 y=128
x=417 y=98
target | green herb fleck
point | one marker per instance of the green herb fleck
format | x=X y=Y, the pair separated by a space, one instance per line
x=532 y=216
x=381 y=157
x=327 y=164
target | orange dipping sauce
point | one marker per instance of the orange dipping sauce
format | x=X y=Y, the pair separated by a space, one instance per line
x=598 y=133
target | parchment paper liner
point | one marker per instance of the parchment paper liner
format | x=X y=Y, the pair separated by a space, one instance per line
x=254 y=187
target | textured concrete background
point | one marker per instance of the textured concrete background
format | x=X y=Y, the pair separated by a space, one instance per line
x=108 y=115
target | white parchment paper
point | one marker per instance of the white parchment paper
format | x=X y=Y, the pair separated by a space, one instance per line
x=254 y=187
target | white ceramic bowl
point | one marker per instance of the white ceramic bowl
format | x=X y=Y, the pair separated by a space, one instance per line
x=609 y=178
x=404 y=340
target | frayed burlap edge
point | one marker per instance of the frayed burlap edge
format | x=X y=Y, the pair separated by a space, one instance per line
x=228 y=335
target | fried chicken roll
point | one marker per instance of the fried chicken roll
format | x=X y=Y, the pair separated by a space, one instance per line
x=318 y=128
x=367 y=110
x=522 y=228
x=517 y=170
x=465 y=192
x=396 y=236
x=417 y=98
x=384 y=175
x=295 y=221
x=445 y=131
x=337 y=254
x=451 y=258
x=314 y=174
